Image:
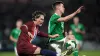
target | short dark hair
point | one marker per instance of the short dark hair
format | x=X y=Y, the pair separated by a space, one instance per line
x=19 y=20
x=75 y=17
x=56 y=3
x=37 y=14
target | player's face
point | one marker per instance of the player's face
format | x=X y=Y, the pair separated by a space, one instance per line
x=76 y=20
x=61 y=8
x=19 y=24
x=40 y=20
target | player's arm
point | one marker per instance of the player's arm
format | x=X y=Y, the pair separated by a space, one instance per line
x=42 y=34
x=53 y=36
x=66 y=18
x=82 y=30
x=24 y=29
x=12 y=39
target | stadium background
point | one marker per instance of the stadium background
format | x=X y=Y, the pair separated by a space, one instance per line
x=11 y=10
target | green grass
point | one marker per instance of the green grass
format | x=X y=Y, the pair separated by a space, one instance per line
x=7 y=54
x=87 y=53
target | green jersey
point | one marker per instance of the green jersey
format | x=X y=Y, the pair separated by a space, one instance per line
x=15 y=34
x=56 y=27
x=77 y=35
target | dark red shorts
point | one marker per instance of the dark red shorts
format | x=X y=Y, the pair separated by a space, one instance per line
x=26 y=55
x=26 y=50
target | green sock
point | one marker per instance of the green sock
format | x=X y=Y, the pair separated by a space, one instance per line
x=75 y=52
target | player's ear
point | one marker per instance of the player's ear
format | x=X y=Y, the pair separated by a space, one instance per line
x=58 y=6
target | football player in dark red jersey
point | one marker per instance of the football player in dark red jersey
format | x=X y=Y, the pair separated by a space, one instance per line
x=28 y=32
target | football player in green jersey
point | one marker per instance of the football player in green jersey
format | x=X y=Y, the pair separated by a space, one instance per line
x=69 y=44
x=78 y=31
x=15 y=34
x=56 y=24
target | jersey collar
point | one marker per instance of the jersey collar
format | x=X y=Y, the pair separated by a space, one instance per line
x=57 y=14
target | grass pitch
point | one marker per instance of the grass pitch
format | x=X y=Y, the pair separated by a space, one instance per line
x=82 y=53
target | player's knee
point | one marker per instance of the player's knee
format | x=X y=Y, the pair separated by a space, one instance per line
x=37 y=51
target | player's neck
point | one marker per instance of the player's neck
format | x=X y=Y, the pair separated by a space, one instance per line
x=76 y=24
x=18 y=27
x=58 y=12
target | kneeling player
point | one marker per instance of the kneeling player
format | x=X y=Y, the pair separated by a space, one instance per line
x=28 y=32
x=70 y=45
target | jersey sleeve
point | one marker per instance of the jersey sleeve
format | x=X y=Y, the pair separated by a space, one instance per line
x=12 y=33
x=42 y=34
x=24 y=29
x=54 y=18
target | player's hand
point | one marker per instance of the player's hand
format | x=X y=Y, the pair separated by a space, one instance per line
x=30 y=34
x=79 y=9
x=54 y=36
x=77 y=30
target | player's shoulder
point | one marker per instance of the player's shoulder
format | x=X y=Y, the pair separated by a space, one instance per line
x=14 y=29
x=55 y=15
x=29 y=23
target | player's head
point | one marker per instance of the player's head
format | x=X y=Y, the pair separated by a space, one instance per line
x=58 y=5
x=19 y=23
x=76 y=20
x=38 y=17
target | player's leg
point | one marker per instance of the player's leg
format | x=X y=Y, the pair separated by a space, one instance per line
x=47 y=52
x=32 y=50
x=75 y=52
x=44 y=52
x=15 y=51
x=56 y=47
x=27 y=49
x=69 y=50
x=0 y=45
x=79 y=44
x=37 y=51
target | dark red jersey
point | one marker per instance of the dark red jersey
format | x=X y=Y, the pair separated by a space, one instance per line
x=24 y=45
